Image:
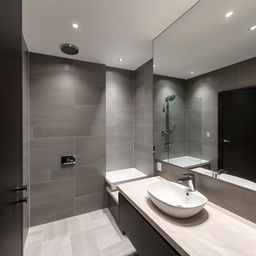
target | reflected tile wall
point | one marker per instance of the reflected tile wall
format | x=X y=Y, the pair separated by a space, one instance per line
x=164 y=86
x=194 y=127
x=207 y=87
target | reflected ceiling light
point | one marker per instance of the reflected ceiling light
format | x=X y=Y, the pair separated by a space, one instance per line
x=154 y=65
x=253 y=28
x=75 y=25
x=229 y=14
x=192 y=72
x=121 y=59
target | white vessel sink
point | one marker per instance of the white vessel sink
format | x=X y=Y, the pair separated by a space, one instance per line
x=176 y=200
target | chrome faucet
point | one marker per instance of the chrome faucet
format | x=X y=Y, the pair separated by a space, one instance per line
x=190 y=177
x=216 y=173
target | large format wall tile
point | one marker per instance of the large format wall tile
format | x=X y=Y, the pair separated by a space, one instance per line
x=89 y=203
x=46 y=153
x=71 y=103
x=50 y=115
x=67 y=117
x=143 y=118
x=119 y=107
x=52 y=211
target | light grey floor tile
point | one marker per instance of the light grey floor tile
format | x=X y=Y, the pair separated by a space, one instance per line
x=99 y=218
x=35 y=236
x=106 y=236
x=113 y=223
x=38 y=227
x=79 y=223
x=107 y=212
x=56 y=229
x=92 y=234
x=123 y=248
x=97 y=214
x=84 y=244
x=33 y=249
x=57 y=247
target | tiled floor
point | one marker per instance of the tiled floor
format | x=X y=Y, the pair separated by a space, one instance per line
x=91 y=234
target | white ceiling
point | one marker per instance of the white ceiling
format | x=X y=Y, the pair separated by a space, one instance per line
x=108 y=29
x=204 y=40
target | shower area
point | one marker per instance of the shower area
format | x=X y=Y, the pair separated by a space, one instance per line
x=177 y=124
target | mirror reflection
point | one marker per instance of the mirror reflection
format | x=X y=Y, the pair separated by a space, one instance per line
x=204 y=91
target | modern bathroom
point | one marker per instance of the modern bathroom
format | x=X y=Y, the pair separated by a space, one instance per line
x=128 y=128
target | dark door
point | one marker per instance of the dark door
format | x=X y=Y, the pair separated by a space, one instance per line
x=10 y=128
x=238 y=133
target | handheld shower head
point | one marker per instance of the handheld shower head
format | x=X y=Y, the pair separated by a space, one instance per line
x=166 y=102
x=170 y=98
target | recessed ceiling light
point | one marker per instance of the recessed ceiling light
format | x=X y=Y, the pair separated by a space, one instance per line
x=121 y=59
x=229 y=14
x=192 y=72
x=253 y=28
x=75 y=25
x=154 y=65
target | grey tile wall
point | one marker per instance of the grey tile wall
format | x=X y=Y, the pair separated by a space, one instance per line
x=67 y=116
x=143 y=118
x=164 y=86
x=207 y=87
x=119 y=118
x=236 y=199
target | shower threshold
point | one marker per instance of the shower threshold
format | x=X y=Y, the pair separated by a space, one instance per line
x=187 y=162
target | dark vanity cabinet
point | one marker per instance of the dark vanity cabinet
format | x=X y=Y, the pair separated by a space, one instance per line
x=131 y=223
x=146 y=240
x=112 y=205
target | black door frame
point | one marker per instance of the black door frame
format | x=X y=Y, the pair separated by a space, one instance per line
x=11 y=221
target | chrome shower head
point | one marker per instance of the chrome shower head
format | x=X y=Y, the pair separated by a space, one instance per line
x=170 y=98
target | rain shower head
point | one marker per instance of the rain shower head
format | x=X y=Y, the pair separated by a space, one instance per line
x=69 y=49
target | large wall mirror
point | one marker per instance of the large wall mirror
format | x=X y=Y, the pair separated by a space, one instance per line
x=205 y=91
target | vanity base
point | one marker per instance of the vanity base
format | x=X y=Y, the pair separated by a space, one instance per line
x=146 y=240
x=112 y=204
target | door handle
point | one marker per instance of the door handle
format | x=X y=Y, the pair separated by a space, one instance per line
x=21 y=200
x=226 y=141
x=21 y=188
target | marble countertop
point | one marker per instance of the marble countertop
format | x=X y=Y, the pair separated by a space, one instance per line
x=212 y=232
